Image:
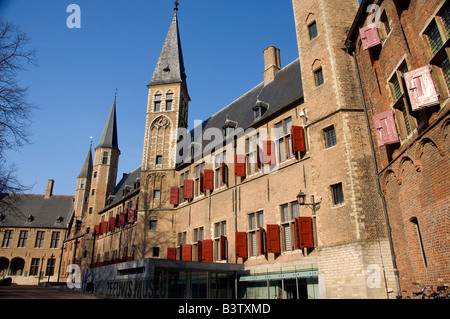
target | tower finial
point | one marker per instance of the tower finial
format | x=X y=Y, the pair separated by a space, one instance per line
x=176 y=5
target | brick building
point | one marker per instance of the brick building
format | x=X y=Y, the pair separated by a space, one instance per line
x=32 y=230
x=401 y=52
x=223 y=204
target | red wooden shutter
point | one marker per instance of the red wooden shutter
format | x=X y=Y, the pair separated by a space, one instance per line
x=104 y=227
x=174 y=195
x=298 y=139
x=186 y=252
x=207 y=250
x=305 y=232
x=202 y=182
x=122 y=219
x=273 y=239
x=171 y=253
x=239 y=165
x=258 y=157
x=241 y=245
x=112 y=223
x=208 y=182
x=268 y=152
x=188 y=189
x=97 y=229
x=224 y=173
x=421 y=89
x=199 y=250
x=386 y=129
x=262 y=241
x=130 y=216
x=223 y=248
x=369 y=36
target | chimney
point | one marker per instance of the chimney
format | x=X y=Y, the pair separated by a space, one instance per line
x=49 y=190
x=272 y=63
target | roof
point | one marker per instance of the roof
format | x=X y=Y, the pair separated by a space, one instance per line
x=36 y=211
x=109 y=136
x=86 y=170
x=127 y=187
x=170 y=66
x=277 y=95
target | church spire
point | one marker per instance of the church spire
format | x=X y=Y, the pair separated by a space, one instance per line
x=86 y=170
x=109 y=136
x=170 y=66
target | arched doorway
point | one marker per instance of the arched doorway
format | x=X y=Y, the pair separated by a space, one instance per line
x=4 y=264
x=17 y=266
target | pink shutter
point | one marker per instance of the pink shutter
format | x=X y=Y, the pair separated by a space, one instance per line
x=385 y=128
x=421 y=90
x=369 y=36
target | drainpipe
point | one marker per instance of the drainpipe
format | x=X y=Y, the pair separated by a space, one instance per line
x=377 y=177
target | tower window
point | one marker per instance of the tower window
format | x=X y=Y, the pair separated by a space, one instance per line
x=158 y=159
x=105 y=158
x=318 y=75
x=157 y=107
x=169 y=99
x=313 y=30
x=330 y=136
x=337 y=194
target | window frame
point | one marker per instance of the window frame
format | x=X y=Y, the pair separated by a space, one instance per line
x=337 y=195
x=284 y=140
x=253 y=232
x=288 y=225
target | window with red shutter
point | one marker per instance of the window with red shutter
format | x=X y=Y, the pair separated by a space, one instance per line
x=97 y=229
x=104 y=227
x=122 y=219
x=305 y=232
x=223 y=248
x=241 y=245
x=239 y=165
x=273 y=239
x=385 y=128
x=421 y=89
x=298 y=139
x=199 y=251
x=186 y=252
x=369 y=36
x=262 y=241
x=268 y=152
x=174 y=195
x=224 y=173
x=112 y=223
x=188 y=189
x=208 y=179
x=171 y=253
x=207 y=250
x=130 y=216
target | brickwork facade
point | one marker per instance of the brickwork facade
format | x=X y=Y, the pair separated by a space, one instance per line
x=413 y=167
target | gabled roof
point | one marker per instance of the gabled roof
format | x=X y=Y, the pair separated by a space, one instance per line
x=36 y=211
x=109 y=136
x=285 y=89
x=170 y=66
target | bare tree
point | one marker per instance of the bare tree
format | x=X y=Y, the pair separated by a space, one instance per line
x=15 y=110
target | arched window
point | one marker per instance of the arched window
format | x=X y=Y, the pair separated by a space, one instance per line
x=17 y=266
x=4 y=264
x=169 y=101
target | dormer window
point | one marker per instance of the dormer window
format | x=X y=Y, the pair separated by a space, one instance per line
x=259 y=109
x=229 y=126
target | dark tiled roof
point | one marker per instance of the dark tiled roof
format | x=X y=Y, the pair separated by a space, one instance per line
x=277 y=95
x=44 y=212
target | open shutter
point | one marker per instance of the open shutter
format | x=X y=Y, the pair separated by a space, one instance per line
x=224 y=173
x=121 y=219
x=239 y=165
x=273 y=239
x=174 y=195
x=199 y=250
x=258 y=157
x=186 y=252
x=97 y=229
x=207 y=250
x=104 y=227
x=369 y=36
x=298 y=139
x=223 y=248
x=268 y=152
x=202 y=182
x=130 y=216
x=305 y=232
x=421 y=89
x=171 y=253
x=385 y=128
x=112 y=223
x=188 y=189
x=262 y=241
x=241 y=245
x=208 y=182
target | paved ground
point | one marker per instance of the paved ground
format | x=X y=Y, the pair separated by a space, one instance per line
x=34 y=292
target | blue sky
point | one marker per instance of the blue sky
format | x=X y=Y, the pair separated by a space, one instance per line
x=118 y=46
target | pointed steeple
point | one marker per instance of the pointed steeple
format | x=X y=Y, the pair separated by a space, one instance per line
x=109 y=136
x=86 y=170
x=170 y=66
